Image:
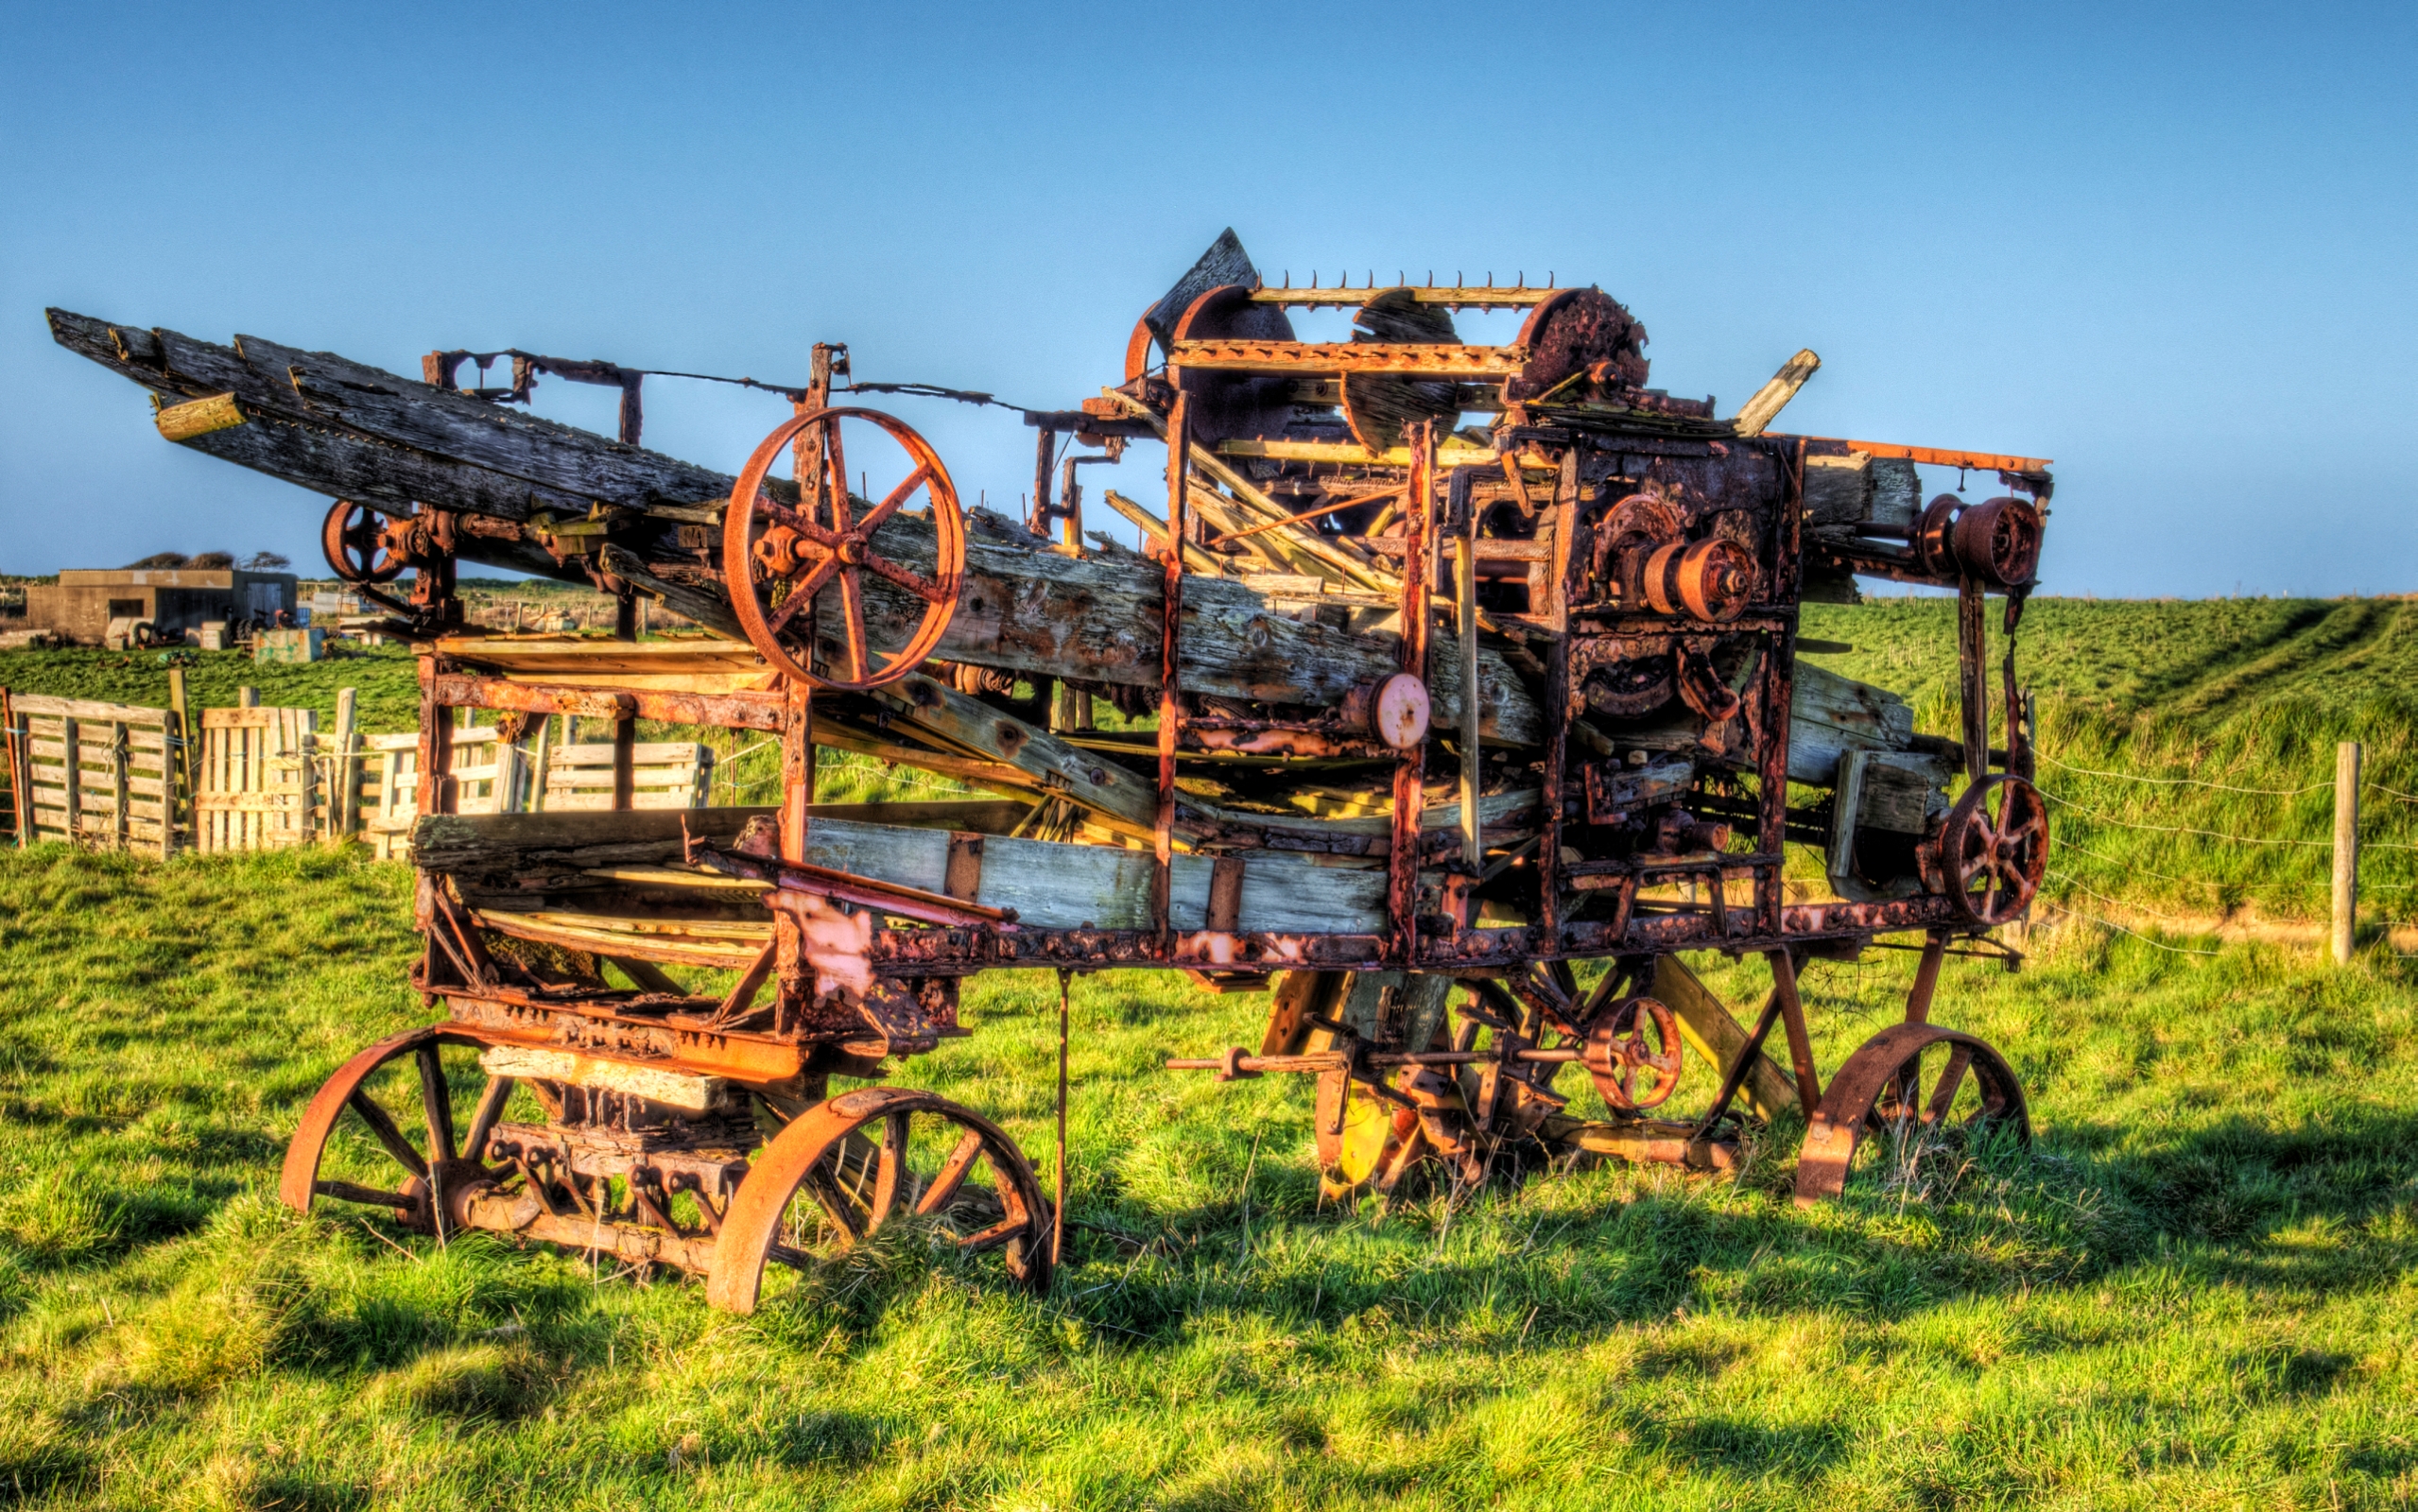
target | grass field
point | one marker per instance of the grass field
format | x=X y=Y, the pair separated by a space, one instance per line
x=2199 y=1288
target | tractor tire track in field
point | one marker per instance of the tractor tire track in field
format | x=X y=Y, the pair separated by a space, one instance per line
x=2335 y=641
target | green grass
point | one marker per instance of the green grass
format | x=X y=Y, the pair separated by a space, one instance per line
x=2247 y=692
x=2201 y=1289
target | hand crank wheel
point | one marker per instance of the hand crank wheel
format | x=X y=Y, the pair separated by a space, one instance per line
x=1636 y=1038
x=1994 y=849
x=779 y=558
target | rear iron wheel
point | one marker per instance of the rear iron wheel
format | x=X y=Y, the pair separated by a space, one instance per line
x=841 y=1171
x=1917 y=1087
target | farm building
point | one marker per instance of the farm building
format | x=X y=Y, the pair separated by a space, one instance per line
x=81 y=607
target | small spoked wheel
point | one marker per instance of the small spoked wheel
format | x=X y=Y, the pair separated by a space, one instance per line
x=1635 y=1053
x=358 y=544
x=1994 y=849
x=400 y=1127
x=779 y=558
x=1909 y=1087
x=843 y=1169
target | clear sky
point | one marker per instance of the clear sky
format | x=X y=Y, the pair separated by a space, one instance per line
x=2170 y=247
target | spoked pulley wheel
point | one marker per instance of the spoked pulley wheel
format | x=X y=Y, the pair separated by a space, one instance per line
x=841 y=1170
x=399 y=1127
x=1634 y=1054
x=359 y=546
x=1908 y=1084
x=1994 y=849
x=779 y=558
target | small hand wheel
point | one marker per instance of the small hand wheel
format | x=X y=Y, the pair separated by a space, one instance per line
x=1633 y=1038
x=1994 y=849
x=359 y=546
x=778 y=557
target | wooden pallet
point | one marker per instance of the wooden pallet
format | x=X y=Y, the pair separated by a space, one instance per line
x=97 y=774
x=257 y=786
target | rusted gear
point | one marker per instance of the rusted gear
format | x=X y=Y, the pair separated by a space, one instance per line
x=1634 y=688
x=1993 y=852
x=1881 y=1089
x=1575 y=331
x=1711 y=579
x=1620 y=1050
x=770 y=548
x=854 y=1163
x=362 y=544
x=1998 y=542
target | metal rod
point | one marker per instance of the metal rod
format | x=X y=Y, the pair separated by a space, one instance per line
x=1792 y=1017
x=1057 y=1206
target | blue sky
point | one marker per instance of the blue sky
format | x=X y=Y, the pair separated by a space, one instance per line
x=2171 y=247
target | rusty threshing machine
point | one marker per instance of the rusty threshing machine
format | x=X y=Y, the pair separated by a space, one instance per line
x=1446 y=669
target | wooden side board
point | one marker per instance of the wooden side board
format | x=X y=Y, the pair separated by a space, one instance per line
x=1051 y=884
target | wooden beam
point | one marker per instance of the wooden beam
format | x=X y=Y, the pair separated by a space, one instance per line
x=1774 y=397
x=1450 y=455
x=1095 y=783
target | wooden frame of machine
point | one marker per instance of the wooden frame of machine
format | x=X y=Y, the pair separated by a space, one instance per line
x=1413 y=715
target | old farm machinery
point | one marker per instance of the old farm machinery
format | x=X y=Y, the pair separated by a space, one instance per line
x=1446 y=669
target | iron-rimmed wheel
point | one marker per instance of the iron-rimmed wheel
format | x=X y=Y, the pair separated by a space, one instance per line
x=1993 y=850
x=844 y=1168
x=1909 y=1079
x=422 y=1139
x=778 y=559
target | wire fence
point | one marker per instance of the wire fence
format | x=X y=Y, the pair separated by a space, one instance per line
x=2226 y=892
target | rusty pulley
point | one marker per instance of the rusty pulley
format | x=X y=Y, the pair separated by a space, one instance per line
x=1996 y=541
x=778 y=559
x=1710 y=580
x=1993 y=850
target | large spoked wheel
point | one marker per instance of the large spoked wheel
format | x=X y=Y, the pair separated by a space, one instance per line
x=1911 y=1083
x=1994 y=849
x=393 y=1130
x=779 y=558
x=841 y=1170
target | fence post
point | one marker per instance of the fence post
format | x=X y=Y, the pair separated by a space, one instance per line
x=2346 y=848
x=345 y=771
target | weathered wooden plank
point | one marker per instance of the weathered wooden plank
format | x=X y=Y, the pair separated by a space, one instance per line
x=45 y=706
x=1051 y=884
x=1705 y=1024
x=1098 y=618
x=1093 y=781
x=1774 y=397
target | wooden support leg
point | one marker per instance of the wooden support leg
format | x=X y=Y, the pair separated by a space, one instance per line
x=1792 y=1016
x=625 y=763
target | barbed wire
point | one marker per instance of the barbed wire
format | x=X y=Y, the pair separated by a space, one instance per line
x=2173 y=829
x=2186 y=781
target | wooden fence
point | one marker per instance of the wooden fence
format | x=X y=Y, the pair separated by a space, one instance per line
x=256 y=788
x=97 y=774
x=267 y=778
